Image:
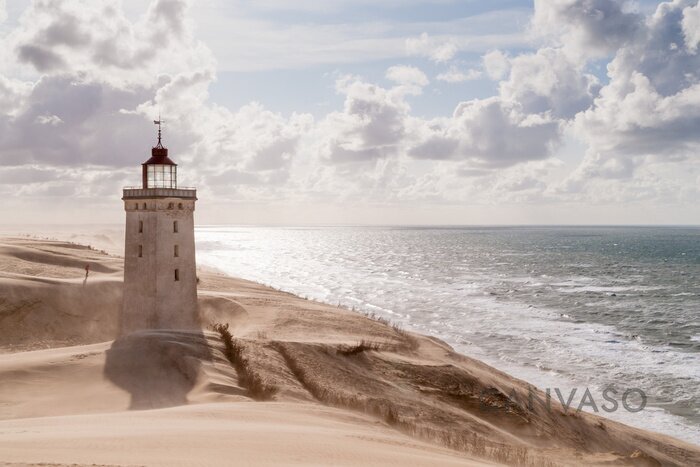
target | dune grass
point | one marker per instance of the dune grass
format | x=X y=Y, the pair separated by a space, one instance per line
x=360 y=347
x=390 y=412
x=234 y=350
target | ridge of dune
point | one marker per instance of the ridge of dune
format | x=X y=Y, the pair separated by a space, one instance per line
x=400 y=398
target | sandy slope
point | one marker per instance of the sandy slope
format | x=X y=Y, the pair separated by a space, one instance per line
x=59 y=408
x=173 y=398
x=222 y=434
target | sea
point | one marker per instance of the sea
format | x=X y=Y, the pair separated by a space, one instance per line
x=614 y=311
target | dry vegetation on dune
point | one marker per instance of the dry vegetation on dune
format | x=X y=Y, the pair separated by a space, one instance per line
x=258 y=388
x=360 y=347
x=268 y=345
x=359 y=385
x=445 y=403
x=420 y=387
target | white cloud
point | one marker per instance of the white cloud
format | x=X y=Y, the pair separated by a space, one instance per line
x=548 y=81
x=632 y=118
x=52 y=120
x=489 y=133
x=85 y=115
x=650 y=105
x=437 y=49
x=93 y=130
x=691 y=27
x=249 y=153
x=96 y=39
x=496 y=64
x=587 y=27
x=371 y=126
x=408 y=75
x=100 y=78
x=12 y=94
x=455 y=75
x=649 y=111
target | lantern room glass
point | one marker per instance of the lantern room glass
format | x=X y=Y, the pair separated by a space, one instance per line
x=162 y=176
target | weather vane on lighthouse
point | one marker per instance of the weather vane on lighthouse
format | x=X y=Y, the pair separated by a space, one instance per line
x=158 y=122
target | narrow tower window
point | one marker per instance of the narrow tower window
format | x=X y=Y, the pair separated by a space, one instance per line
x=179 y=206
x=137 y=206
x=177 y=274
x=144 y=205
x=177 y=251
x=140 y=226
x=175 y=226
x=140 y=251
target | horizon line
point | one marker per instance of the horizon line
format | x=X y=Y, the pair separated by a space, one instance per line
x=362 y=225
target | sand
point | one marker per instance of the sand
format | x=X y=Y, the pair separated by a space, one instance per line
x=222 y=434
x=298 y=390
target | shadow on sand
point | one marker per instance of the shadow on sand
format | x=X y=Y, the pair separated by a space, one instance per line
x=157 y=367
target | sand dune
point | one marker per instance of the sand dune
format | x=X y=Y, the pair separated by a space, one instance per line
x=43 y=301
x=221 y=434
x=292 y=386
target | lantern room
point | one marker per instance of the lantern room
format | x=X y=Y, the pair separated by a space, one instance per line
x=159 y=171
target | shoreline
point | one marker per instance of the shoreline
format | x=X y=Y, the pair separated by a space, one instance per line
x=551 y=391
x=312 y=353
x=676 y=425
x=109 y=235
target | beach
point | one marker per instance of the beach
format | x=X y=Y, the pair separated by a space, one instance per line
x=309 y=383
x=562 y=307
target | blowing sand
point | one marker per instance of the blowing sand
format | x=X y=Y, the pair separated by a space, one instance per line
x=293 y=386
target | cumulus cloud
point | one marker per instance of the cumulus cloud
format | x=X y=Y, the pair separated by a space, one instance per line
x=79 y=126
x=436 y=49
x=649 y=109
x=496 y=64
x=587 y=27
x=96 y=39
x=376 y=123
x=408 y=75
x=650 y=105
x=96 y=112
x=543 y=91
x=86 y=110
x=637 y=120
x=252 y=146
x=65 y=121
x=548 y=81
x=489 y=133
x=372 y=124
x=691 y=27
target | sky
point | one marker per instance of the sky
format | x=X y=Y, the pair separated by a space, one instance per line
x=355 y=111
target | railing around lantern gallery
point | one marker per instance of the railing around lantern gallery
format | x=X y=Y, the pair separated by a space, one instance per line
x=184 y=192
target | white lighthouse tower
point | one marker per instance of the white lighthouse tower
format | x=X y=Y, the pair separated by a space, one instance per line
x=160 y=279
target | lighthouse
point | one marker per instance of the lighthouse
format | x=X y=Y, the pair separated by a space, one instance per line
x=160 y=278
